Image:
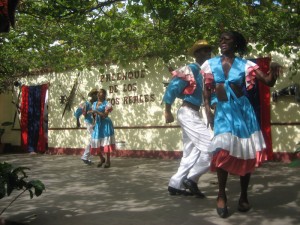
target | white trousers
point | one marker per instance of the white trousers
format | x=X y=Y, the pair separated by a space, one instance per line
x=87 y=151
x=196 y=138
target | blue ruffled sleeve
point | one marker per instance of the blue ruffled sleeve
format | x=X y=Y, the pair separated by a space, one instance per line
x=78 y=113
x=174 y=90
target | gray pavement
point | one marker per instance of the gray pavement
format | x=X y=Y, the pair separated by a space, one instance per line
x=133 y=192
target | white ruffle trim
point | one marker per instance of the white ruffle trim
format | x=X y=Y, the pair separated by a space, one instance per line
x=242 y=148
x=96 y=143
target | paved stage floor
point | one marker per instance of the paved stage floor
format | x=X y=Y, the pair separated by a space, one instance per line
x=134 y=192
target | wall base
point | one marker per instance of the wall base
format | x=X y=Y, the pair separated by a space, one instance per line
x=285 y=157
x=277 y=156
x=121 y=153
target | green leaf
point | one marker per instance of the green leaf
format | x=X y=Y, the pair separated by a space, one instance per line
x=20 y=170
x=30 y=194
x=38 y=186
x=67 y=35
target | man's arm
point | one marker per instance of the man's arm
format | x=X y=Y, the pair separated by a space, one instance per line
x=168 y=114
x=174 y=89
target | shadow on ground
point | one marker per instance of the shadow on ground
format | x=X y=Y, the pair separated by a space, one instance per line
x=133 y=192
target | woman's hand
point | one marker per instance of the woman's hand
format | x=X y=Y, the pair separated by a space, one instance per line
x=275 y=69
x=270 y=78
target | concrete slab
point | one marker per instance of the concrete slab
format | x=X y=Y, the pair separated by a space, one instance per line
x=133 y=192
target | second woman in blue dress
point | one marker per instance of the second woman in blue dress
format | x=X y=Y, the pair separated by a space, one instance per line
x=103 y=137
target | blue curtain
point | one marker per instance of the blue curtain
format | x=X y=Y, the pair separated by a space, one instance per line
x=34 y=114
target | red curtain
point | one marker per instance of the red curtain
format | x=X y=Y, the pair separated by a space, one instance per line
x=24 y=117
x=32 y=117
x=259 y=97
x=265 y=107
x=7 y=14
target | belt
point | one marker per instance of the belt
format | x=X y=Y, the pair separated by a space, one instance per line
x=190 y=105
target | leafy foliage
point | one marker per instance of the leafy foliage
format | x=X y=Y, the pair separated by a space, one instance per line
x=15 y=179
x=58 y=35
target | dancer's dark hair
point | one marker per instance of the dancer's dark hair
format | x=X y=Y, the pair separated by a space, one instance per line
x=240 y=42
x=104 y=91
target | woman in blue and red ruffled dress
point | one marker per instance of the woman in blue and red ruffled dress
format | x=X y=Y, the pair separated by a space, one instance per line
x=238 y=139
x=103 y=137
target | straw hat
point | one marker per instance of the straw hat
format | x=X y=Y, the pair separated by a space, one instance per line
x=94 y=90
x=198 y=44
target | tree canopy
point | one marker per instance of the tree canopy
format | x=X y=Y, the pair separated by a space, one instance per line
x=59 y=35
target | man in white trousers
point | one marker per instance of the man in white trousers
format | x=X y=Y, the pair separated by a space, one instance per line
x=187 y=84
x=82 y=109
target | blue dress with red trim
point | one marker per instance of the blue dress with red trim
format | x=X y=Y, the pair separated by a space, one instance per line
x=103 y=136
x=237 y=135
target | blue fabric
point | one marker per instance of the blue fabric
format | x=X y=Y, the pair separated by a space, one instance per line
x=79 y=111
x=103 y=127
x=34 y=113
x=235 y=76
x=235 y=116
x=174 y=90
x=252 y=94
x=177 y=85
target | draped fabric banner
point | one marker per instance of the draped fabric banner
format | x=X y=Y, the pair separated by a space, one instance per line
x=24 y=117
x=7 y=14
x=32 y=117
x=260 y=100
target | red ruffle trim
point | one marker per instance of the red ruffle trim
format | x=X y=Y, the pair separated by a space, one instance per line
x=189 y=78
x=208 y=80
x=261 y=157
x=109 y=108
x=250 y=78
x=108 y=148
x=236 y=166
x=105 y=149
